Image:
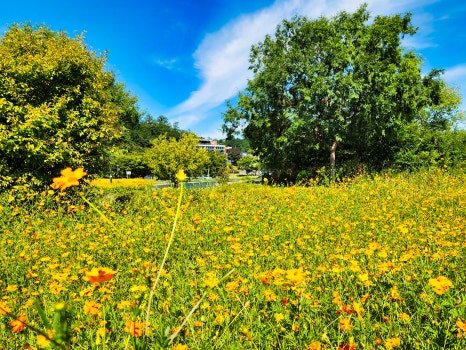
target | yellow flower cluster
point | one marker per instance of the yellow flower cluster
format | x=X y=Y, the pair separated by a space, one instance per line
x=441 y=284
x=337 y=267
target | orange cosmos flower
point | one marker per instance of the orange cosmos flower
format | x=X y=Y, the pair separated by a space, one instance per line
x=18 y=324
x=91 y=307
x=68 y=178
x=99 y=274
x=134 y=328
x=315 y=345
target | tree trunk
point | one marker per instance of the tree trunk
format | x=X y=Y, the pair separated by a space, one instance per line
x=333 y=150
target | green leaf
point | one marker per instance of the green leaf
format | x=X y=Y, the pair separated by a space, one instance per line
x=42 y=315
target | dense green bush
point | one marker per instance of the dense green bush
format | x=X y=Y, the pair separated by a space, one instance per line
x=58 y=105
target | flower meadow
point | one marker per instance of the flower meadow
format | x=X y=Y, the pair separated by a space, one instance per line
x=367 y=263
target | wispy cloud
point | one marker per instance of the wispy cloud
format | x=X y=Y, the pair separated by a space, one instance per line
x=222 y=58
x=455 y=74
x=168 y=64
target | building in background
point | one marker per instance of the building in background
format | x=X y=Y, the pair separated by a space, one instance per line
x=212 y=145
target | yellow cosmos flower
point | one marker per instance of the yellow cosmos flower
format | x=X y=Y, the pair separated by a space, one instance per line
x=296 y=275
x=269 y=295
x=440 y=284
x=363 y=277
x=42 y=341
x=391 y=343
x=138 y=289
x=359 y=309
x=180 y=347
x=99 y=274
x=345 y=324
x=11 y=288
x=461 y=325
x=404 y=316
x=461 y=328
x=231 y=286
x=68 y=178
x=4 y=308
x=210 y=281
x=181 y=176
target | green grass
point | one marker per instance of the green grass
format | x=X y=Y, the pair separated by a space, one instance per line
x=346 y=265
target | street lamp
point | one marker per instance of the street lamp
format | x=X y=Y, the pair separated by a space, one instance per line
x=110 y=167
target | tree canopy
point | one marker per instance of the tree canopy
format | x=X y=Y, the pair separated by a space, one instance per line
x=340 y=82
x=168 y=155
x=58 y=105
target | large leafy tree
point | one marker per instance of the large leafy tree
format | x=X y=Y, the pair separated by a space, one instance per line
x=329 y=83
x=58 y=105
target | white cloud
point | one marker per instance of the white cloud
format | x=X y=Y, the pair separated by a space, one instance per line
x=222 y=58
x=455 y=74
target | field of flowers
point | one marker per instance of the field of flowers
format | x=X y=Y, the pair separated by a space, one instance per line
x=122 y=183
x=371 y=263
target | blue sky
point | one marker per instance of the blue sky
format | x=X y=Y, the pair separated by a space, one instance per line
x=183 y=59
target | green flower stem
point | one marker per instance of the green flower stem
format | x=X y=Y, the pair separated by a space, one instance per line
x=188 y=316
x=151 y=295
x=97 y=210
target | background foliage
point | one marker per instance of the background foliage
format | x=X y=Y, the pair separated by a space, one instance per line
x=167 y=156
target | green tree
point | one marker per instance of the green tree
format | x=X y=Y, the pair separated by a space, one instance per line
x=133 y=161
x=249 y=163
x=149 y=128
x=57 y=105
x=234 y=154
x=440 y=103
x=216 y=165
x=324 y=84
x=168 y=155
x=242 y=144
x=128 y=110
